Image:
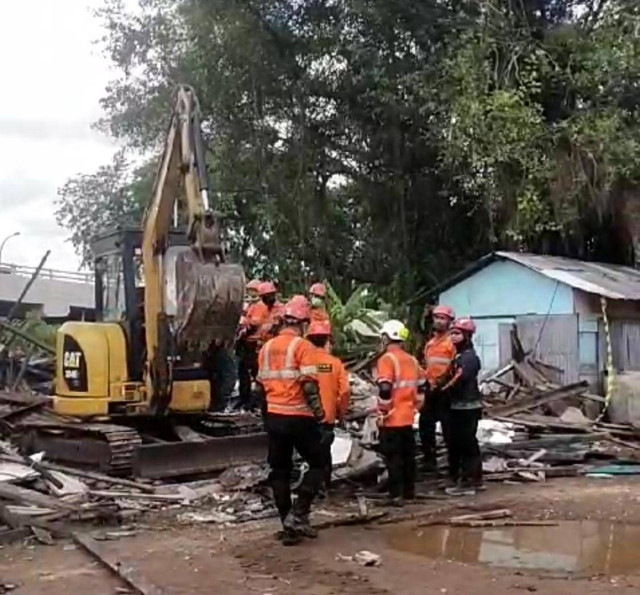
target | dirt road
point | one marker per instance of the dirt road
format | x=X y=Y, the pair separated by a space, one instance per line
x=595 y=552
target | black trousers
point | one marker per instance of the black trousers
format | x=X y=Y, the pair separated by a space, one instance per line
x=465 y=460
x=398 y=447
x=247 y=352
x=435 y=409
x=327 y=461
x=286 y=433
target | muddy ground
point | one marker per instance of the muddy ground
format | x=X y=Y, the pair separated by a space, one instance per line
x=598 y=555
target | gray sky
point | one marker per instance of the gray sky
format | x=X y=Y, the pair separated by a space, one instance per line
x=53 y=76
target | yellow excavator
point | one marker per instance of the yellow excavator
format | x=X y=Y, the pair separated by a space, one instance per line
x=166 y=300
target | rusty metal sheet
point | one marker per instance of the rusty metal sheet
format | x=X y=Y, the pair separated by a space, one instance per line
x=172 y=459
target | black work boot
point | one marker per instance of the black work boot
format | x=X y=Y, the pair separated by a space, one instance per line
x=305 y=529
x=394 y=501
x=301 y=509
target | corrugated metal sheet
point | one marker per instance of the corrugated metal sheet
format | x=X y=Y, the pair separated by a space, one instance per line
x=555 y=340
x=625 y=342
x=609 y=280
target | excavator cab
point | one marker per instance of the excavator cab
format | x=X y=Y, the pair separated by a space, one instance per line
x=119 y=287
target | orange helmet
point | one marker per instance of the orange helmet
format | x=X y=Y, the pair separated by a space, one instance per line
x=254 y=284
x=443 y=311
x=318 y=289
x=266 y=288
x=297 y=308
x=319 y=327
x=466 y=325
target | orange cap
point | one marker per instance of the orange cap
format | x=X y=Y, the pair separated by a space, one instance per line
x=266 y=288
x=464 y=324
x=297 y=307
x=319 y=327
x=318 y=289
x=254 y=284
x=444 y=311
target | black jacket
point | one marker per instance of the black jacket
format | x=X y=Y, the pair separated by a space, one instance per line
x=464 y=392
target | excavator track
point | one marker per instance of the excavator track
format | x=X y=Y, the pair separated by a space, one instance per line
x=107 y=447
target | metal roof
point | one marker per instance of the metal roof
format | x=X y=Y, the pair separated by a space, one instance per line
x=609 y=280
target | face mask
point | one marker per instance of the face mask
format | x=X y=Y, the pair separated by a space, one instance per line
x=317 y=302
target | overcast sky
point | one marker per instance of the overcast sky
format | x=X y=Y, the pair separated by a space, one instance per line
x=52 y=78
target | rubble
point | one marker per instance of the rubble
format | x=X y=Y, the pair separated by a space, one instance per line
x=544 y=429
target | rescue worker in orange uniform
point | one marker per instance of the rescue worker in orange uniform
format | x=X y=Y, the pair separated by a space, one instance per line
x=333 y=382
x=294 y=418
x=247 y=343
x=439 y=353
x=272 y=313
x=318 y=299
x=401 y=386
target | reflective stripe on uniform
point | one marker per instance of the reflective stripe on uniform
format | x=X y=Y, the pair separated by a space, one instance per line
x=286 y=409
x=289 y=372
x=402 y=383
x=438 y=360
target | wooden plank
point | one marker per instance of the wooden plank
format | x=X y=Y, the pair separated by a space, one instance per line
x=541 y=422
x=504 y=523
x=129 y=574
x=22 y=495
x=538 y=400
x=93 y=475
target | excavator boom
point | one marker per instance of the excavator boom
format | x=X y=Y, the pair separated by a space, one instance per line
x=193 y=298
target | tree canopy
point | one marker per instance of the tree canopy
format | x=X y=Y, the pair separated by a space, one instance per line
x=387 y=143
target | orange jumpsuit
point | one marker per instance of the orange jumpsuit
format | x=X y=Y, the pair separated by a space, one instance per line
x=270 y=320
x=319 y=315
x=397 y=442
x=439 y=353
x=285 y=363
x=333 y=382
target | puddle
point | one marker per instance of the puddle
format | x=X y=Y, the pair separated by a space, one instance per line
x=574 y=547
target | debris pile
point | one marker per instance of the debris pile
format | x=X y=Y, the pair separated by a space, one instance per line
x=538 y=428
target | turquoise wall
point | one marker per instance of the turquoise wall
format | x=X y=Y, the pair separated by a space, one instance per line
x=505 y=288
x=498 y=293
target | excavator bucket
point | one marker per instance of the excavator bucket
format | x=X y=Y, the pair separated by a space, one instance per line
x=209 y=305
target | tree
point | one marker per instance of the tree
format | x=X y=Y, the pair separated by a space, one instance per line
x=390 y=143
x=114 y=196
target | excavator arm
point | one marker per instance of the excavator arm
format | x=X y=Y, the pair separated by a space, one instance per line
x=209 y=292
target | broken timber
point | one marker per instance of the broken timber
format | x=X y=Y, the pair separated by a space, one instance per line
x=569 y=390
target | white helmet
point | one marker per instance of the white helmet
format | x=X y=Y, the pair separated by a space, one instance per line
x=395 y=330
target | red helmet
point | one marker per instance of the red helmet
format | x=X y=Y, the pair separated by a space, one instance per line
x=319 y=327
x=443 y=311
x=254 y=284
x=318 y=289
x=298 y=308
x=466 y=325
x=266 y=288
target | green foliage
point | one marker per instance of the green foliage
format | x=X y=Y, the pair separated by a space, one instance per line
x=114 y=196
x=356 y=322
x=34 y=327
x=385 y=143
